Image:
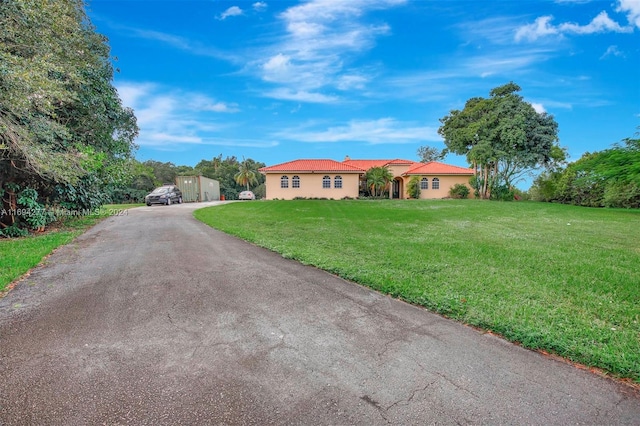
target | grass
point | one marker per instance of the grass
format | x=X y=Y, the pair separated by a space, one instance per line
x=561 y=279
x=19 y=255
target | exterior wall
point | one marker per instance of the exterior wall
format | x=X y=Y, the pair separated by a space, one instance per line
x=446 y=183
x=198 y=188
x=398 y=169
x=209 y=189
x=311 y=186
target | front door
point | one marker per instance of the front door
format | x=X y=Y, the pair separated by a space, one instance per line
x=396 y=189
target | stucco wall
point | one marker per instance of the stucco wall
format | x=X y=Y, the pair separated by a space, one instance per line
x=446 y=183
x=311 y=186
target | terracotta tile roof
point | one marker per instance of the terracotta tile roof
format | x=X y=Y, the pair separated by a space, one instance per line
x=437 y=168
x=401 y=161
x=367 y=164
x=312 y=166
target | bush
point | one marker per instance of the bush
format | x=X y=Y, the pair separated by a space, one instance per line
x=413 y=187
x=29 y=214
x=459 y=190
x=622 y=195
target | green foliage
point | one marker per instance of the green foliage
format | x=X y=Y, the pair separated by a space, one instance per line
x=624 y=195
x=378 y=179
x=413 y=187
x=62 y=123
x=459 y=190
x=503 y=137
x=247 y=174
x=13 y=231
x=28 y=213
x=225 y=171
x=428 y=154
x=608 y=178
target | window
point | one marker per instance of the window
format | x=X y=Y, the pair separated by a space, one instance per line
x=284 y=182
x=326 y=182
x=337 y=182
x=435 y=183
x=424 y=183
x=295 y=182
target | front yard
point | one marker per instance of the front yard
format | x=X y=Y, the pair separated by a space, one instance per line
x=556 y=278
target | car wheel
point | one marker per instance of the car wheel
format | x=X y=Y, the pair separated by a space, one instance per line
x=149 y=204
x=180 y=200
x=168 y=201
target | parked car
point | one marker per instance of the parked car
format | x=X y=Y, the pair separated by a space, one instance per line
x=246 y=195
x=165 y=194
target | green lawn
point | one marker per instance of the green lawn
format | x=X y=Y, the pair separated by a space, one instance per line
x=563 y=279
x=19 y=255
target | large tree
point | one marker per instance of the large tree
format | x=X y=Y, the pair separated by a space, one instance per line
x=428 y=154
x=64 y=134
x=503 y=138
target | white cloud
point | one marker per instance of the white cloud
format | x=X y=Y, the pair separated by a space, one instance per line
x=384 y=130
x=321 y=38
x=352 y=81
x=612 y=51
x=204 y=103
x=602 y=23
x=504 y=62
x=183 y=44
x=259 y=6
x=278 y=64
x=538 y=107
x=539 y=28
x=287 y=94
x=632 y=9
x=232 y=11
x=169 y=118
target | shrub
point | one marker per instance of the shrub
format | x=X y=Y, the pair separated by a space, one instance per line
x=413 y=187
x=459 y=190
x=622 y=195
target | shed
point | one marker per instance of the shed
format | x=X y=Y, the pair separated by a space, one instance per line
x=198 y=188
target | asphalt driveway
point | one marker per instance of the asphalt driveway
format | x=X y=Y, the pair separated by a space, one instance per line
x=155 y=318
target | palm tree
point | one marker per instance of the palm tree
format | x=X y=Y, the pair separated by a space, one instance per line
x=378 y=179
x=246 y=175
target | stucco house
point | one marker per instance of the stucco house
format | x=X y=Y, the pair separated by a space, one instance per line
x=334 y=179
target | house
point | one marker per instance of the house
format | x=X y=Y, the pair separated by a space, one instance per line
x=334 y=179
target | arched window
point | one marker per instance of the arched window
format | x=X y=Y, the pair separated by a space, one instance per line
x=295 y=182
x=337 y=182
x=284 y=182
x=326 y=182
x=424 y=183
x=435 y=183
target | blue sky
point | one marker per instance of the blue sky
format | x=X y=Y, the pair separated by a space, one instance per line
x=277 y=80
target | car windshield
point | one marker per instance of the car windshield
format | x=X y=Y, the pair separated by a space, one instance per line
x=160 y=190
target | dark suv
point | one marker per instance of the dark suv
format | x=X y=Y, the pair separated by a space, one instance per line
x=165 y=194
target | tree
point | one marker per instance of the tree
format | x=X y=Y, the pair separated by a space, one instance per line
x=428 y=154
x=609 y=178
x=378 y=179
x=246 y=174
x=225 y=171
x=64 y=134
x=503 y=138
x=162 y=172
